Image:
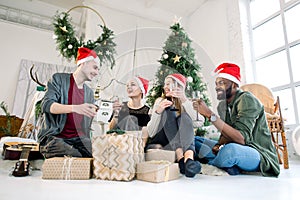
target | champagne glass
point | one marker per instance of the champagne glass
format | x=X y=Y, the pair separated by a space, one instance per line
x=119 y=100
x=195 y=96
x=172 y=87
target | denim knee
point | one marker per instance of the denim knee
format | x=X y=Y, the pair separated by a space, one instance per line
x=226 y=156
x=230 y=149
x=245 y=157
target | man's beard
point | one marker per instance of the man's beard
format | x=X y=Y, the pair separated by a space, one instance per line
x=225 y=94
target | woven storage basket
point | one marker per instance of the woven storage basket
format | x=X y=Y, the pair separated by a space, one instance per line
x=15 y=124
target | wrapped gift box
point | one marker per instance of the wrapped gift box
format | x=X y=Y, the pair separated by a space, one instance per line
x=157 y=171
x=116 y=155
x=159 y=154
x=68 y=168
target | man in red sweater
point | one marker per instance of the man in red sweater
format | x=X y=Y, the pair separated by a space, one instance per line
x=68 y=109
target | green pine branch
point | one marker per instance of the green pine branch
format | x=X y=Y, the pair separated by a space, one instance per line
x=6 y=130
x=68 y=44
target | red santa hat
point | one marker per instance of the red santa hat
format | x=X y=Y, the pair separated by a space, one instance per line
x=84 y=54
x=143 y=84
x=179 y=78
x=229 y=71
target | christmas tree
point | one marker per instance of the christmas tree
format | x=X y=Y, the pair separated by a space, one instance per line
x=178 y=57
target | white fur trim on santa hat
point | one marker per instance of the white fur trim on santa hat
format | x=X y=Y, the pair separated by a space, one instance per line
x=229 y=77
x=89 y=58
x=177 y=80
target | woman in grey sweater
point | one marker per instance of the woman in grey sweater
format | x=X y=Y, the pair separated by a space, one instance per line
x=171 y=124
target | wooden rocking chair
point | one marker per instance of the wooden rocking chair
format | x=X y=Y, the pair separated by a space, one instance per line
x=274 y=119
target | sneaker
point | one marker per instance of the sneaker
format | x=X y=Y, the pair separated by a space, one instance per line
x=192 y=168
x=234 y=170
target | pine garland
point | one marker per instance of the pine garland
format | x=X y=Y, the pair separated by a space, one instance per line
x=117 y=131
x=68 y=44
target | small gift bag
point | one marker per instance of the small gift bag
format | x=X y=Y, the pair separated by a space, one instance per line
x=116 y=155
x=67 y=168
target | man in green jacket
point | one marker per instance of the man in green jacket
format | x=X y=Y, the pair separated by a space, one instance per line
x=68 y=109
x=245 y=142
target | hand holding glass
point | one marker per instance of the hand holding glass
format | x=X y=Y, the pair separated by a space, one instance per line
x=171 y=98
x=196 y=96
x=117 y=105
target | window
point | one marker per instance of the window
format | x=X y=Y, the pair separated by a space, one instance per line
x=292 y=17
x=261 y=9
x=295 y=62
x=298 y=96
x=263 y=36
x=286 y=103
x=273 y=64
x=276 y=48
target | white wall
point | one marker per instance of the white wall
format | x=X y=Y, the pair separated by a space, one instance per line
x=209 y=27
x=23 y=42
x=119 y=21
x=131 y=32
x=20 y=42
x=216 y=27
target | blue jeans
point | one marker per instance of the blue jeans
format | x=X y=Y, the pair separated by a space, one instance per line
x=231 y=154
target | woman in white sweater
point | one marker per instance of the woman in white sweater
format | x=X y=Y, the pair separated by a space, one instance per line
x=171 y=124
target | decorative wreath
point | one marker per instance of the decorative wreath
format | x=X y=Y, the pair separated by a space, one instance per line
x=68 y=44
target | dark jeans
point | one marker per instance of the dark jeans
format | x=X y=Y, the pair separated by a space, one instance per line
x=175 y=132
x=58 y=147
